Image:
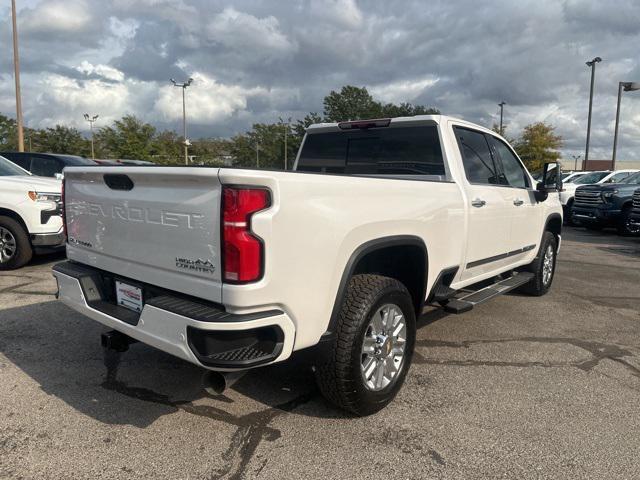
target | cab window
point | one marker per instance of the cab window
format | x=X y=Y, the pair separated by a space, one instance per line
x=479 y=165
x=514 y=173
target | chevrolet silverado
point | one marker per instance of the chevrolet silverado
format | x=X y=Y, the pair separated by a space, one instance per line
x=231 y=269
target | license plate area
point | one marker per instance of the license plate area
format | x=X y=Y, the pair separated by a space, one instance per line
x=129 y=296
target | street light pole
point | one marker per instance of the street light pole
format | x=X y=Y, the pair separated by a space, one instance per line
x=627 y=87
x=16 y=73
x=575 y=161
x=184 y=86
x=91 y=120
x=501 y=105
x=592 y=64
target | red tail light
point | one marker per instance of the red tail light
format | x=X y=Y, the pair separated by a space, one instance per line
x=243 y=252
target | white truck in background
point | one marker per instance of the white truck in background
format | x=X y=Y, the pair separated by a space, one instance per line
x=30 y=215
x=231 y=269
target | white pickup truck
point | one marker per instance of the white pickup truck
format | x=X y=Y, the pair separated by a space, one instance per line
x=231 y=269
x=30 y=215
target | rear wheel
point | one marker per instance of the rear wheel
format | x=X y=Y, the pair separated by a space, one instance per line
x=373 y=346
x=543 y=267
x=625 y=226
x=15 y=248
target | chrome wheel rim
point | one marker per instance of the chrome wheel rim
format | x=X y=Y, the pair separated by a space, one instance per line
x=547 y=265
x=383 y=347
x=7 y=245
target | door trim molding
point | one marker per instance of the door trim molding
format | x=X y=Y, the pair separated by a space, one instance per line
x=501 y=256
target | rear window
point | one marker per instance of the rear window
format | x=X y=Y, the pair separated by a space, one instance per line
x=380 y=151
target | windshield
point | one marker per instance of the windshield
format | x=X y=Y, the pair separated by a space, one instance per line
x=593 y=177
x=8 y=168
x=633 y=178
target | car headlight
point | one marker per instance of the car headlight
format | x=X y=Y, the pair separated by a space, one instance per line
x=45 y=197
x=608 y=194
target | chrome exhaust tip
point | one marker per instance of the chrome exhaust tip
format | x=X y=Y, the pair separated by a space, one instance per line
x=215 y=383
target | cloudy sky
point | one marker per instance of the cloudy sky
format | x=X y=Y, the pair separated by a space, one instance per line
x=258 y=60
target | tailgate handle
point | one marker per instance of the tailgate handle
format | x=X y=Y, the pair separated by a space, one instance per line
x=118 y=181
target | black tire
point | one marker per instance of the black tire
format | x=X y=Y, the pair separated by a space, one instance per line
x=340 y=377
x=624 y=226
x=568 y=217
x=14 y=243
x=540 y=284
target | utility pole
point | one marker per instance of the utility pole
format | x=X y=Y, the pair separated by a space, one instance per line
x=91 y=120
x=627 y=87
x=184 y=86
x=592 y=64
x=501 y=105
x=16 y=70
x=286 y=131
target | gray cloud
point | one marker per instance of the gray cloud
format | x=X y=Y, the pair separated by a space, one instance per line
x=256 y=60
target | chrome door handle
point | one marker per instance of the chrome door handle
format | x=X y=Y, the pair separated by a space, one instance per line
x=478 y=203
x=518 y=201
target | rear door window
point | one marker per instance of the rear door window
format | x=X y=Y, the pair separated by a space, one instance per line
x=378 y=151
x=479 y=165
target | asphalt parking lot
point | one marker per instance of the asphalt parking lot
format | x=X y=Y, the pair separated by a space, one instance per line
x=518 y=388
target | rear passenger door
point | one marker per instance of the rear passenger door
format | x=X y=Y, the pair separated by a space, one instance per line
x=526 y=212
x=489 y=210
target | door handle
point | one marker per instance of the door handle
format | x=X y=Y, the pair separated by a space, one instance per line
x=518 y=201
x=478 y=203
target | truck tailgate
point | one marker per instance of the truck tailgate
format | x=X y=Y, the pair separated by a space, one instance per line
x=159 y=225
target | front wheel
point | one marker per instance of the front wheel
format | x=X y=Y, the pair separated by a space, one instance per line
x=15 y=248
x=373 y=345
x=543 y=267
x=626 y=227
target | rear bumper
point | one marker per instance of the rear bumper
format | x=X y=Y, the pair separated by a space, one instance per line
x=199 y=332
x=596 y=215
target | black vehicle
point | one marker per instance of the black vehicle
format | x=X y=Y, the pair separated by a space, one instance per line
x=607 y=205
x=45 y=164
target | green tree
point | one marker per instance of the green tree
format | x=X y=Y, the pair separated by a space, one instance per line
x=8 y=134
x=351 y=103
x=59 y=139
x=167 y=148
x=355 y=103
x=268 y=139
x=129 y=138
x=538 y=144
x=211 y=151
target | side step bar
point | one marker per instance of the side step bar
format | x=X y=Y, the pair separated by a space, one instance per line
x=468 y=300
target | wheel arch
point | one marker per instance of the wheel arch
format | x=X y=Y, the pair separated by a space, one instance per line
x=553 y=224
x=387 y=256
x=5 y=212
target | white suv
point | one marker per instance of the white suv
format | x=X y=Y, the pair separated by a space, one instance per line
x=30 y=215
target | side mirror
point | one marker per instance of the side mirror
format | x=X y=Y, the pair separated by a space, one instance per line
x=59 y=176
x=552 y=176
x=541 y=193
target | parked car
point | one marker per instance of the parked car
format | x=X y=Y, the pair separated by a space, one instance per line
x=599 y=177
x=634 y=218
x=46 y=164
x=608 y=205
x=30 y=215
x=571 y=177
x=232 y=269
